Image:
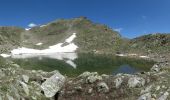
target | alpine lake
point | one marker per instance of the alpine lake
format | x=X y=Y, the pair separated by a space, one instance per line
x=73 y=64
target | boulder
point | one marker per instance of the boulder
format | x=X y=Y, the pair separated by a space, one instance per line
x=53 y=84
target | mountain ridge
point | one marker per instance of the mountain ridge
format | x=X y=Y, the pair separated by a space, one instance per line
x=91 y=37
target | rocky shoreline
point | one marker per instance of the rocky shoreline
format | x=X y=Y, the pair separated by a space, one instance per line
x=151 y=85
x=19 y=84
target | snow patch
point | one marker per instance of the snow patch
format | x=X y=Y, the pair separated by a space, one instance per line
x=132 y=54
x=59 y=56
x=27 y=29
x=67 y=57
x=143 y=56
x=5 y=55
x=66 y=53
x=38 y=44
x=121 y=55
x=70 y=62
x=24 y=50
x=43 y=25
x=71 y=38
x=71 y=47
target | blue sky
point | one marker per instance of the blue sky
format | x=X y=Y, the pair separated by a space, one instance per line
x=131 y=17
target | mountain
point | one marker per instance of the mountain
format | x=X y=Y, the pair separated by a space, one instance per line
x=90 y=36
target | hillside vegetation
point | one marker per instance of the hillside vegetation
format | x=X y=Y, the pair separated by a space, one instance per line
x=90 y=36
x=159 y=43
x=9 y=37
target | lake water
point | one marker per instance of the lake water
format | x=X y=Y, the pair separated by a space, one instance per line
x=72 y=64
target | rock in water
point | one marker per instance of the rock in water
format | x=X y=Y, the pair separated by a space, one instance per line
x=53 y=84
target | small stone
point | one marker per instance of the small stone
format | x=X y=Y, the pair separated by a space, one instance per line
x=70 y=82
x=153 y=99
x=157 y=88
x=33 y=98
x=2 y=74
x=90 y=90
x=156 y=68
x=153 y=95
x=105 y=76
x=146 y=96
x=92 y=79
x=118 y=82
x=136 y=82
x=85 y=74
x=78 y=88
x=25 y=87
x=163 y=86
x=102 y=87
x=25 y=78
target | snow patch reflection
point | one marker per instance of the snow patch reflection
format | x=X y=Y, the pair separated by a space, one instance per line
x=67 y=57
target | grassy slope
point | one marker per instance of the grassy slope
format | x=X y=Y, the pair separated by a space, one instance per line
x=90 y=36
x=9 y=38
x=159 y=43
